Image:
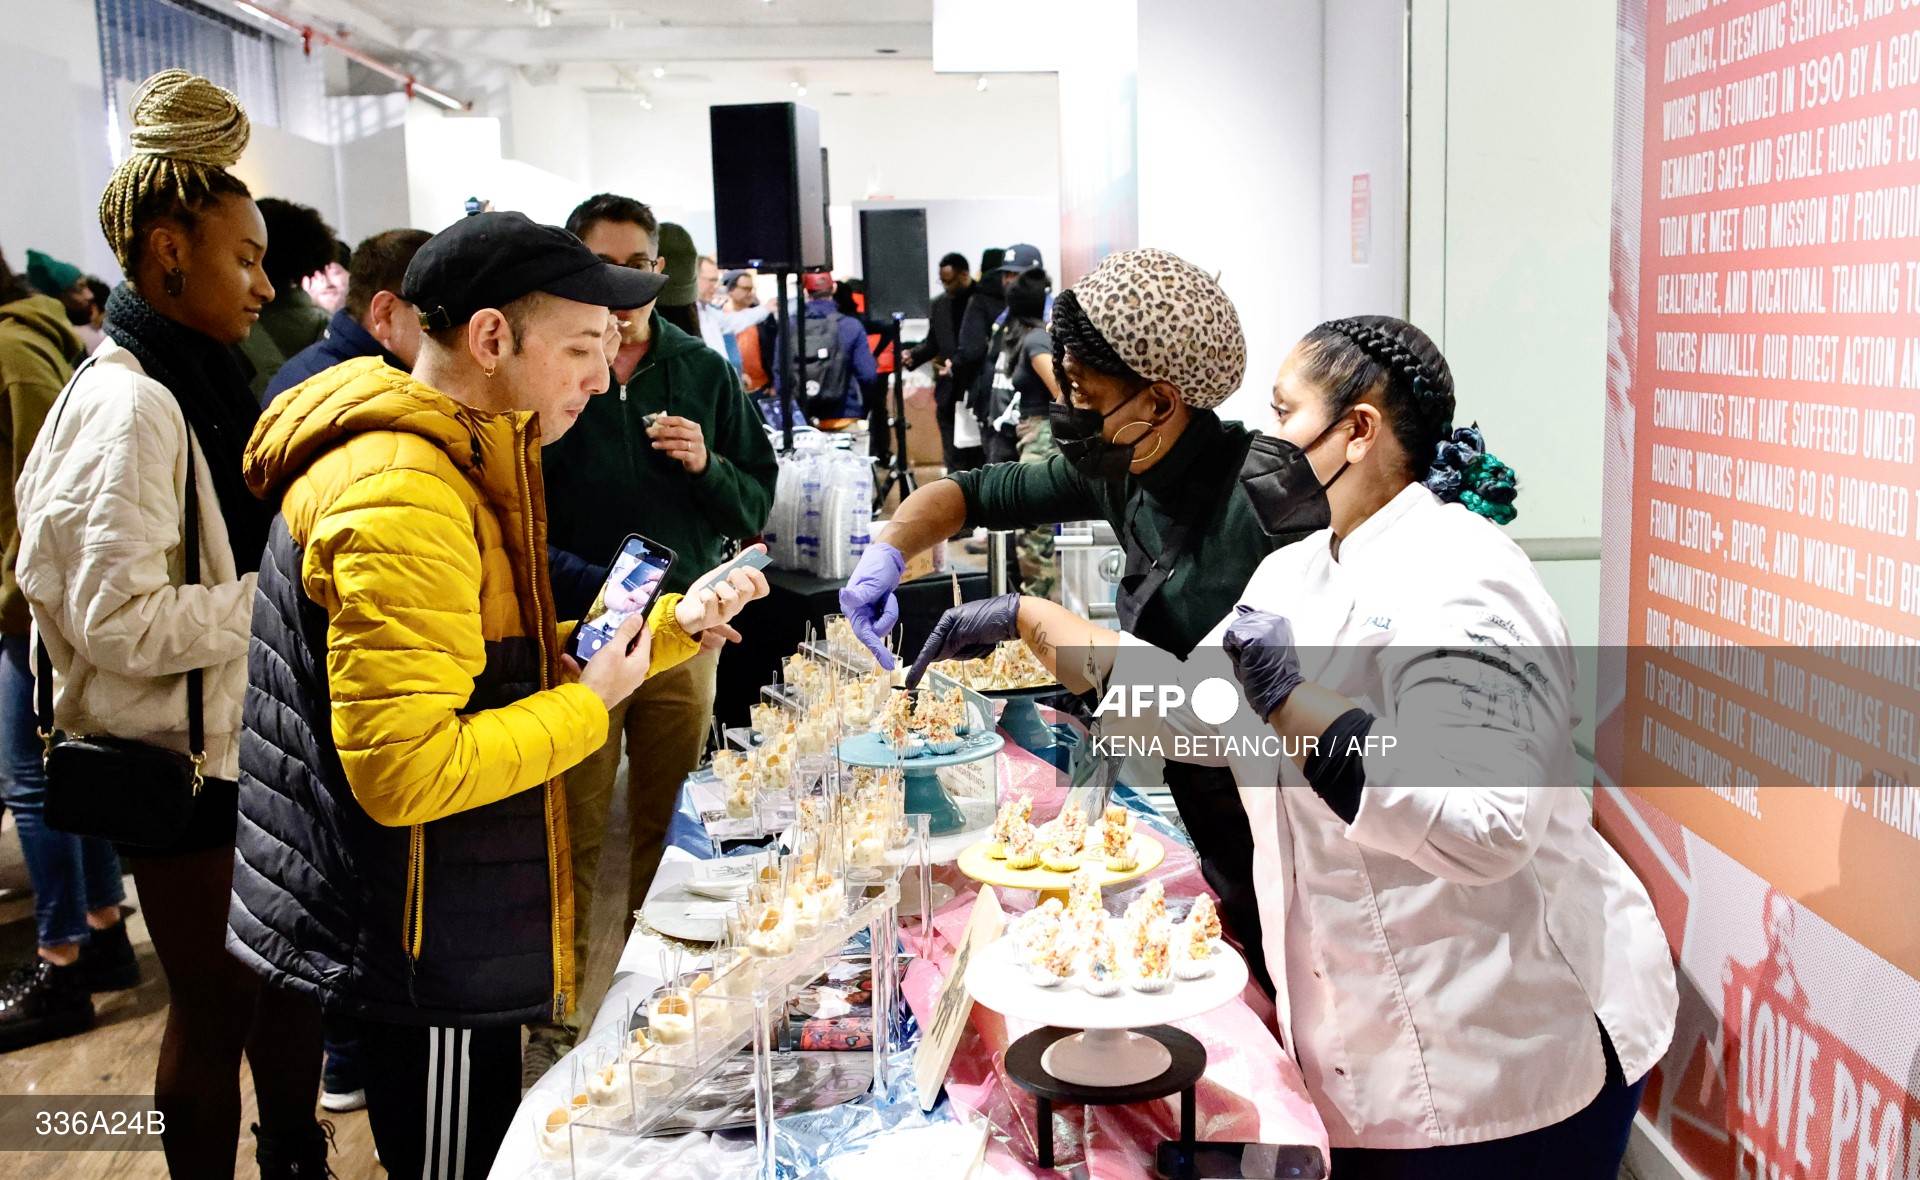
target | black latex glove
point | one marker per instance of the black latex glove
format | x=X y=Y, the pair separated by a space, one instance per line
x=967 y=632
x=1265 y=660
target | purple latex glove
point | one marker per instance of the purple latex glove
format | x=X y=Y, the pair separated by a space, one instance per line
x=868 y=600
x=967 y=632
x=1265 y=660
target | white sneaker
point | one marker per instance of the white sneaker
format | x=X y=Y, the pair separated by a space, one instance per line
x=340 y=1103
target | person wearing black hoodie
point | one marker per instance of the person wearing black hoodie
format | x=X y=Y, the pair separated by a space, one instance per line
x=988 y=304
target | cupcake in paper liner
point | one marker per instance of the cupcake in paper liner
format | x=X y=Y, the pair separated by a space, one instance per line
x=1206 y=918
x=1153 y=956
x=1052 y=964
x=1083 y=893
x=1195 y=957
x=1103 y=964
x=1012 y=814
x=1022 y=852
x=1116 y=840
x=1060 y=855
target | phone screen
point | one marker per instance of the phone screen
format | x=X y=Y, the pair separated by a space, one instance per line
x=633 y=582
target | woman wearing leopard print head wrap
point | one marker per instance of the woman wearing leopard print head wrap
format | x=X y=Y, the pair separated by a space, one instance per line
x=1472 y=981
x=1146 y=345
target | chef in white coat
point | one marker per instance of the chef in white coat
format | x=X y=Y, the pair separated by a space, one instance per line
x=1473 y=982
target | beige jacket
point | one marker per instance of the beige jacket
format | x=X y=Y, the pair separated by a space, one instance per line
x=100 y=504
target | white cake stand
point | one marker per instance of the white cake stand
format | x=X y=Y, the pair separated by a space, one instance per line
x=1107 y=1053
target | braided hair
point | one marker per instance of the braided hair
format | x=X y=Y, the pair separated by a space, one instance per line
x=1074 y=333
x=1350 y=358
x=186 y=133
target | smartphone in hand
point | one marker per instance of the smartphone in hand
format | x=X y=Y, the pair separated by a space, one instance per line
x=752 y=559
x=635 y=575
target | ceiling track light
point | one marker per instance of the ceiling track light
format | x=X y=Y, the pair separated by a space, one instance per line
x=981 y=84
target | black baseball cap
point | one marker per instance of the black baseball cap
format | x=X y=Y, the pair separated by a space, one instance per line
x=491 y=259
x=1019 y=257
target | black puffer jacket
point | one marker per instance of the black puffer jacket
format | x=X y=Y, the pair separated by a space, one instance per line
x=320 y=890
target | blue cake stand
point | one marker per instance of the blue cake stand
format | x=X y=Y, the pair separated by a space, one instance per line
x=924 y=794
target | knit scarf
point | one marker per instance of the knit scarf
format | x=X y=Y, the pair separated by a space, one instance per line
x=206 y=378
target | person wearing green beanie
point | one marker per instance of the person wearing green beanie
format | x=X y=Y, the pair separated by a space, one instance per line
x=65 y=282
x=683 y=272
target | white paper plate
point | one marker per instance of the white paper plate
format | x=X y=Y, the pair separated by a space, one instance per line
x=678 y=913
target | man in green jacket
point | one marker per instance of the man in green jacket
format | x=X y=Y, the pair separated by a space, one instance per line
x=673 y=451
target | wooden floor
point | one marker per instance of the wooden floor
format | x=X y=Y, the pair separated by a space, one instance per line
x=118 y=1055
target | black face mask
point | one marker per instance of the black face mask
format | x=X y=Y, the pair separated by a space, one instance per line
x=1287 y=497
x=1077 y=433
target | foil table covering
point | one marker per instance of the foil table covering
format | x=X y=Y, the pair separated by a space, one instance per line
x=1251 y=1091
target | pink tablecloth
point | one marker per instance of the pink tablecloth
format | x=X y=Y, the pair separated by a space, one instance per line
x=1251 y=1091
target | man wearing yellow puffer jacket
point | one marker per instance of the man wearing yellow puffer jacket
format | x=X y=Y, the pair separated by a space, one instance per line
x=402 y=850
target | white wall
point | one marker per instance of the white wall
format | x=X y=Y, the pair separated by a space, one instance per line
x=1513 y=105
x=967 y=226
x=280 y=164
x=53 y=129
x=547 y=126
x=373 y=184
x=1364 y=134
x=1230 y=148
x=448 y=160
x=882 y=148
x=1511 y=142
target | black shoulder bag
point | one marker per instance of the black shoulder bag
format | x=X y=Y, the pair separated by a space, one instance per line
x=116 y=788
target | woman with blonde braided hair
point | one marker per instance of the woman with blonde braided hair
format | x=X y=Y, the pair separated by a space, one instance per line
x=1471 y=980
x=140 y=457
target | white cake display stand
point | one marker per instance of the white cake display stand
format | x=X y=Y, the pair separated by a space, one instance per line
x=1107 y=1052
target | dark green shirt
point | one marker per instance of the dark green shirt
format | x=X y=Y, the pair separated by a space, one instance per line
x=1197 y=483
x=605 y=480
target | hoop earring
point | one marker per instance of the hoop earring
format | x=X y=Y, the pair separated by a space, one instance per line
x=174 y=282
x=1159 y=440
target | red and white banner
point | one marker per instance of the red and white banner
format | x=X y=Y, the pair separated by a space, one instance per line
x=1759 y=738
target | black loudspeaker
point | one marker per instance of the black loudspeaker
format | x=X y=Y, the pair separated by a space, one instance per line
x=893 y=260
x=767 y=186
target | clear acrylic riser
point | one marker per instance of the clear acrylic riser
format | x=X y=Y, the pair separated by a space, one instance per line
x=617 y=1097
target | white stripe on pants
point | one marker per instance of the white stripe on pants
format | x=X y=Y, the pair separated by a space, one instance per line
x=449 y=1065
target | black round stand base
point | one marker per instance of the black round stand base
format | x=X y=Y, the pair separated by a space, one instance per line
x=1189 y=1061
